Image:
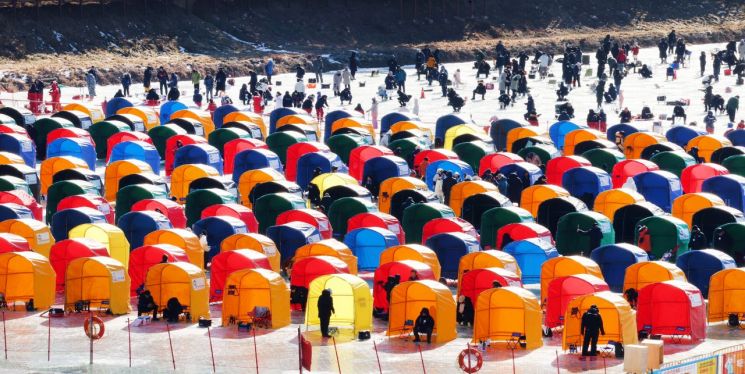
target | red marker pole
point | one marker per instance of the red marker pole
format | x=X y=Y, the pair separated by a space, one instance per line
x=90 y=332
x=129 y=343
x=170 y=343
x=212 y=353
x=338 y=364
x=421 y=357
x=49 y=338
x=5 y=337
x=256 y=352
x=558 y=371
x=380 y=368
x=513 y=362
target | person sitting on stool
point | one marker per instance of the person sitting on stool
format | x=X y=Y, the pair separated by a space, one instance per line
x=592 y=325
x=146 y=304
x=173 y=310
x=424 y=325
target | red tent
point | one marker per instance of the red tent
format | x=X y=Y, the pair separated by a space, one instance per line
x=64 y=251
x=233 y=147
x=565 y=289
x=629 y=168
x=233 y=210
x=478 y=280
x=125 y=136
x=169 y=208
x=6 y=128
x=556 y=167
x=402 y=268
x=230 y=261
x=495 y=161
x=672 y=308
x=22 y=198
x=377 y=219
x=693 y=177
x=309 y=216
x=359 y=155
x=434 y=155
x=13 y=243
x=69 y=132
x=308 y=268
x=523 y=230
x=449 y=224
x=142 y=258
x=183 y=139
x=88 y=201
x=295 y=151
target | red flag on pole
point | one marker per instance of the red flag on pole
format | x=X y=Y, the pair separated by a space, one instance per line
x=306 y=353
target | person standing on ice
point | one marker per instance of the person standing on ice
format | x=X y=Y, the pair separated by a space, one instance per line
x=163 y=80
x=354 y=63
x=269 y=70
x=716 y=66
x=672 y=40
x=709 y=120
x=90 y=81
x=347 y=76
x=741 y=49
x=443 y=80
x=662 y=46
x=702 y=62
x=195 y=78
x=318 y=69
x=220 y=78
x=456 y=79
x=209 y=84
x=732 y=105
x=126 y=81
x=147 y=77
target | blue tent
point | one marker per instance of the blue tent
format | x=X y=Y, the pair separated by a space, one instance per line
x=139 y=150
x=383 y=167
x=14 y=211
x=447 y=121
x=390 y=119
x=613 y=260
x=324 y=160
x=291 y=236
x=368 y=243
x=216 y=229
x=499 y=130
x=681 y=135
x=138 y=224
x=329 y=120
x=168 y=108
x=201 y=153
x=450 y=247
x=455 y=166
x=700 y=265
x=278 y=113
x=659 y=187
x=586 y=182
x=77 y=147
x=730 y=187
x=627 y=129
x=737 y=137
x=19 y=145
x=220 y=113
x=530 y=255
x=528 y=173
x=252 y=159
x=560 y=129
x=67 y=219
x=113 y=105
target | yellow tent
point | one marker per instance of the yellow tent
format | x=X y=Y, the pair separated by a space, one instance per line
x=574 y=137
x=25 y=276
x=38 y=235
x=254 y=242
x=147 y=114
x=392 y=185
x=204 y=117
x=411 y=125
x=183 y=175
x=182 y=238
x=619 y=320
x=353 y=122
x=328 y=180
x=500 y=312
x=118 y=169
x=407 y=301
x=464 y=189
x=707 y=144
x=564 y=266
x=726 y=294
x=107 y=234
x=7 y=158
x=519 y=133
x=93 y=111
x=635 y=143
x=416 y=252
x=52 y=165
x=328 y=247
x=644 y=273
x=95 y=279
x=609 y=201
x=183 y=281
x=352 y=302
x=686 y=205
x=251 y=178
x=487 y=259
x=249 y=288
x=459 y=130
x=532 y=197
x=254 y=118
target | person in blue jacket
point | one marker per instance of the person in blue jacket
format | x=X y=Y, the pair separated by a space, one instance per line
x=126 y=81
x=400 y=75
x=269 y=70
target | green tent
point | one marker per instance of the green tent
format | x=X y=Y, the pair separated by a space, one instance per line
x=735 y=164
x=268 y=207
x=102 y=131
x=198 y=200
x=407 y=146
x=160 y=135
x=343 y=144
x=417 y=215
x=280 y=141
x=129 y=195
x=220 y=137
x=10 y=183
x=253 y=130
x=495 y=218
x=60 y=190
x=345 y=208
x=708 y=219
x=732 y=241
x=673 y=161
x=570 y=242
x=669 y=235
x=28 y=175
x=474 y=206
x=545 y=151
x=42 y=128
x=604 y=158
x=472 y=152
x=626 y=218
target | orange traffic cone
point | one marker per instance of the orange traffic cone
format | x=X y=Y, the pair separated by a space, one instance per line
x=422 y=95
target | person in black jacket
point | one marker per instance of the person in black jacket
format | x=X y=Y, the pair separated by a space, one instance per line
x=514 y=187
x=353 y=64
x=662 y=46
x=595 y=234
x=592 y=326
x=220 y=79
x=147 y=76
x=163 y=80
x=447 y=185
x=325 y=310
x=424 y=324
x=152 y=95
x=146 y=304
x=243 y=94
x=698 y=238
x=625 y=115
x=480 y=90
x=252 y=82
x=173 y=310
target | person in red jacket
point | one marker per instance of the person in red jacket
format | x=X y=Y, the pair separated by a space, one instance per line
x=55 y=93
x=258 y=103
x=621 y=60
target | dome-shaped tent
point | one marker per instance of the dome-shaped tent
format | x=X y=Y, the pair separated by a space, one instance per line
x=586 y=182
x=675 y=162
x=402 y=269
x=136 y=225
x=559 y=130
x=449 y=224
x=725 y=294
x=143 y=258
x=352 y=302
x=618 y=319
x=309 y=163
x=628 y=169
x=614 y=259
x=368 y=243
x=183 y=281
x=65 y=220
x=731 y=188
x=345 y=208
x=668 y=237
x=569 y=241
x=502 y=312
x=635 y=143
x=645 y=273
x=556 y=167
x=417 y=215
x=626 y=218
x=225 y=263
x=67 y=250
x=268 y=207
x=607 y=202
x=256 y=288
x=565 y=266
x=550 y=211
x=700 y=265
x=562 y=290
x=487 y=259
x=450 y=248
x=707 y=144
x=95 y=279
x=181 y=238
x=27 y=276
x=216 y=229
x=681 y=135
x=685 y=206
x=493 y=162
x=407 y=301
x=530 y=255
x=109 y=235
x=453 y=166
x=659 y=187
x=708 y=219
x=672 y=308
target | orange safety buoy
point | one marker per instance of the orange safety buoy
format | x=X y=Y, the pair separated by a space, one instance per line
x=96 y=331
x=470 y=360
